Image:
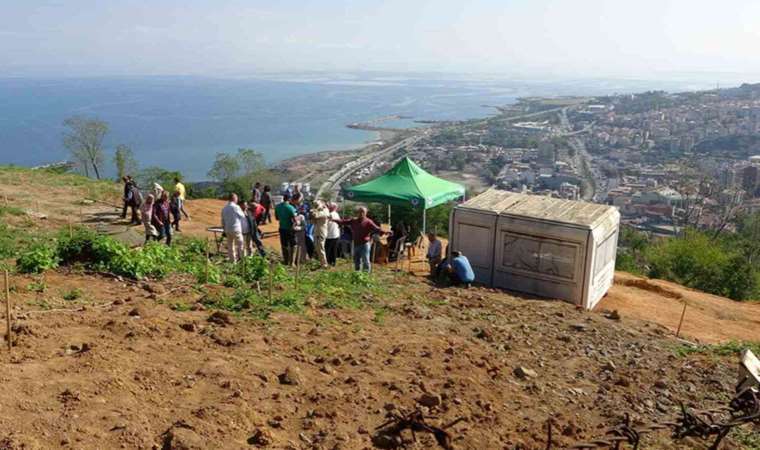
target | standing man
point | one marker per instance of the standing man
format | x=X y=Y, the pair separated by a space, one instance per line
x=127 y=185
x=362 y=229
x=266 y=202
x=179 y=187
x=286 y=215
x=320 y=216
x=333 y=235
x=434 y=253
x=133 y=200
x=256 y=193
x=232 y=222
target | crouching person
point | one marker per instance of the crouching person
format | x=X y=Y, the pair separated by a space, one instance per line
x=459 y=270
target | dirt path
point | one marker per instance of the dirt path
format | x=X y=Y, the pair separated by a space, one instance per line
x=708 y=318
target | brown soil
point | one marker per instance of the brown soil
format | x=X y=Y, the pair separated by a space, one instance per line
x=126 y=365
x=120 y=368
x=708 y=318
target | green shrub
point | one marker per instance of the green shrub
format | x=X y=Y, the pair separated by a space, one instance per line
x=73 y=294
x=703 y=263
x=38 y=258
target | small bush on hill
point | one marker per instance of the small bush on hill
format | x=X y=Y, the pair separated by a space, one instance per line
x=37 y=258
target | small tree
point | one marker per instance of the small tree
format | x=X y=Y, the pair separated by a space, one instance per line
x=226 y=167
x=250 y=161
x=125 y=161
x=84 y=139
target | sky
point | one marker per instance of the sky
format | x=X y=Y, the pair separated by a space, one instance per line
x=591 y=38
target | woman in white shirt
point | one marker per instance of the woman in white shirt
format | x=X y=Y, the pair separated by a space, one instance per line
x=333 y=235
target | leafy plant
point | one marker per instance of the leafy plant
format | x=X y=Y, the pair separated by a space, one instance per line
x=723 y=349
x=38 y=286
x=38 y=258
x=73 y=294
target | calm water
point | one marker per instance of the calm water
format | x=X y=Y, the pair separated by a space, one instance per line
x=180 y=123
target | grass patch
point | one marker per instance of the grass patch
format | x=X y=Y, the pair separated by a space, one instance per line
x=730 y=348
x=73 y=294
x=37 y=286
x=11 y=211
x=746 y=437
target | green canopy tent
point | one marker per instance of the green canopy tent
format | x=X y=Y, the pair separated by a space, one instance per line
x=406 y=184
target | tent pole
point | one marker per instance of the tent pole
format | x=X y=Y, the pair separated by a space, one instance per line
x=424 y=219
x=389 y=214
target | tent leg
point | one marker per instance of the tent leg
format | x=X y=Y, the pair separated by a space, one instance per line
x=389 y=215
x=424 y=220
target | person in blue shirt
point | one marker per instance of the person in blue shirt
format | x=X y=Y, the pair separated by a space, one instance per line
x=460 y=270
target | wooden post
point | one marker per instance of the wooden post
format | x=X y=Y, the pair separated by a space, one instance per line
x=8 y=313
x=271 y=278
x=208 y=260
x=680 y=322
x=298 y=263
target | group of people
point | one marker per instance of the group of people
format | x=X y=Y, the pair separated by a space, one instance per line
x=241 y=221
x=160 y=213
x=308 y=231
x=458 y=271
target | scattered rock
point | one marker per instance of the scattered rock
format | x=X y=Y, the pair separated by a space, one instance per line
x=154 y=288
x=524 y=372
x=661 y=384
x=614 y=315
x=579 y=326
x=138 y=311
x=189 y=326
x=260 y=438
x=198 y=307
x=387 y=441
x=222 y=318
x=609 y=366
x=291 y=376
x=429 y=400
x=183 y=438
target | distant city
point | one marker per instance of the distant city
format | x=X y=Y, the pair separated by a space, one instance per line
x=666 y=160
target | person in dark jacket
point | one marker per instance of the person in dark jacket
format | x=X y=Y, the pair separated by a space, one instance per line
x=266 y=202
x=132 y=199
x=176 y=209
x=162 y=218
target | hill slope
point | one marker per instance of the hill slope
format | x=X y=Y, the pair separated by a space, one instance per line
x=126 y=364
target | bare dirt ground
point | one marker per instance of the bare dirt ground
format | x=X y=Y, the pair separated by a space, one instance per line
x=119 y=368
x=145 y=365
x=708 y=318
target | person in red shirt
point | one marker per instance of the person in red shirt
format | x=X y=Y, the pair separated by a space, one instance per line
x=257 y=211
x=362 y=229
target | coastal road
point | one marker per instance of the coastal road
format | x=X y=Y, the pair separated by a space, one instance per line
x=333 y=183
x=582 y=157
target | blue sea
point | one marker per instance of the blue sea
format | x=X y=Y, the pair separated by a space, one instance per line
x=180 y=123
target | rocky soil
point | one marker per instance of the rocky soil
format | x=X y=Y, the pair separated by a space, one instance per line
x=135 y=365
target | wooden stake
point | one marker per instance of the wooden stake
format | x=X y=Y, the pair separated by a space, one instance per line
x=8 y=312
x=680 y=322
x=298 y=263
x=208 y=260
x=271 y=278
